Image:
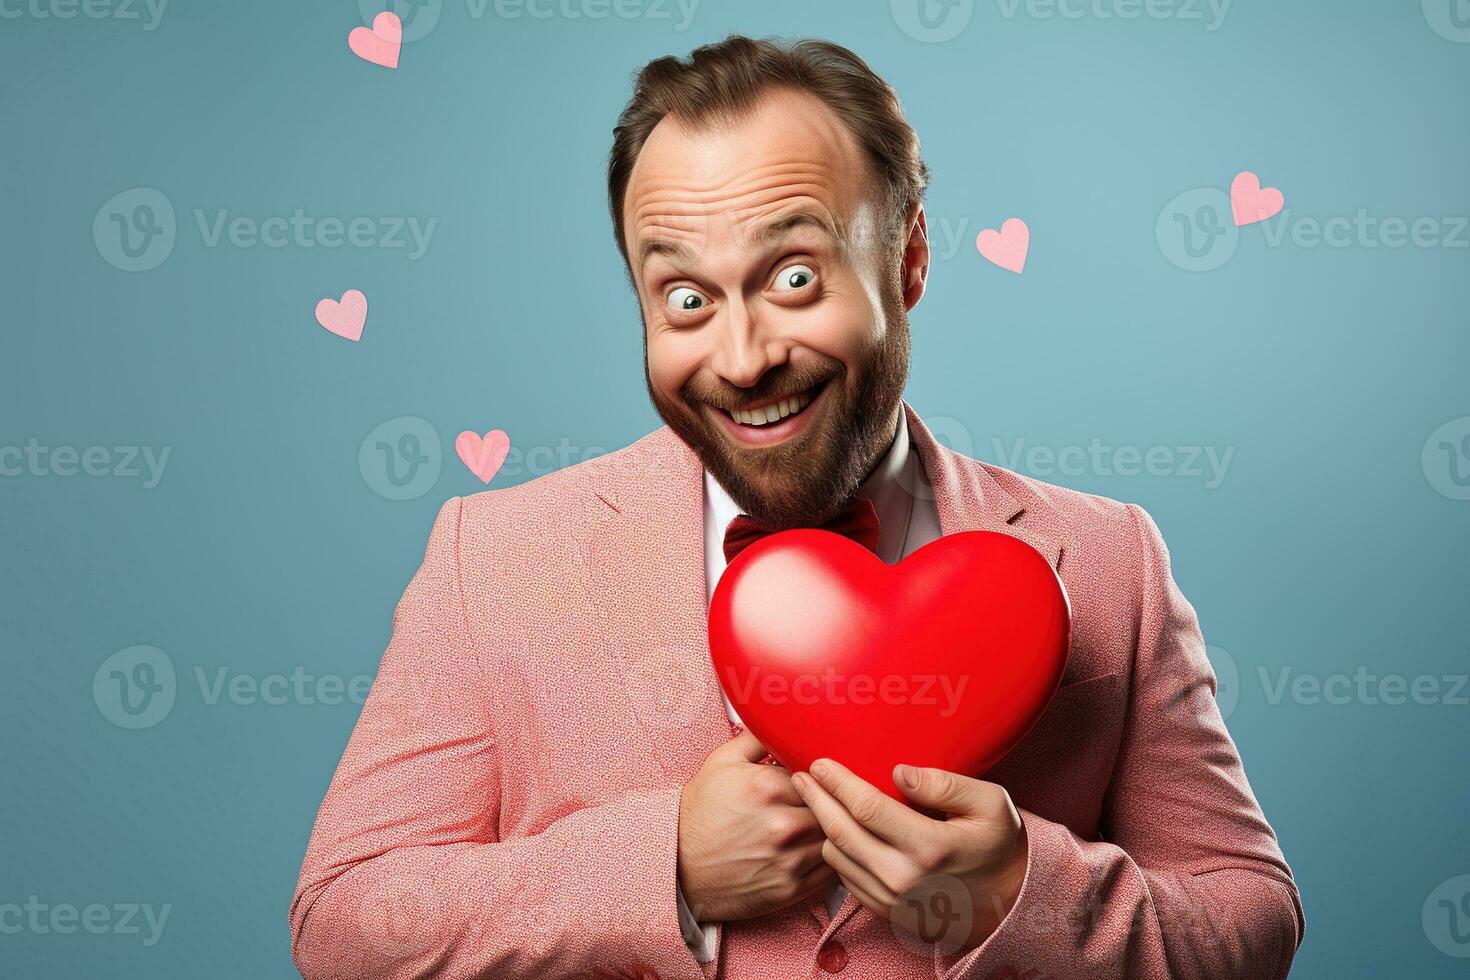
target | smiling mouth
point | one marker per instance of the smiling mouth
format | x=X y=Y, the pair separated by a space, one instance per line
x=775 y=411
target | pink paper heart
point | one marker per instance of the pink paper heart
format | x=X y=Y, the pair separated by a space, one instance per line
x=1006 y=248
x=1250 y=202
x=483 y=456
x=345 y=318
x=381 y=43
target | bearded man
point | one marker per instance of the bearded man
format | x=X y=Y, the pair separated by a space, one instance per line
x=548 y=779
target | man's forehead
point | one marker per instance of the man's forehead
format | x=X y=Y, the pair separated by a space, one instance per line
x=683 y=237
x=787 y=163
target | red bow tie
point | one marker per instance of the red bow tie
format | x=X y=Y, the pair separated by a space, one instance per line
x=858 y=520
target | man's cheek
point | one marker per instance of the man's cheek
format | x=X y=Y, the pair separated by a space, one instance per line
x=843 y=331
x=669 y=386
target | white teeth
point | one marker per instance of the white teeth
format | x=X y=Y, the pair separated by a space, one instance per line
x=773 y=412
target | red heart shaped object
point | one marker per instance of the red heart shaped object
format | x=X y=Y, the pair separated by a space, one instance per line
x=946 y=659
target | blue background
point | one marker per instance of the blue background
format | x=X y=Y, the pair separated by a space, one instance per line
x=1328 y=546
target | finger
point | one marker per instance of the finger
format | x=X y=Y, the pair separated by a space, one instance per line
x=856 y=877
x=798 y=826
x=945 y=791
x=814 y=878
x=743 y=747
x=808 y=857
x=842 y=831
x=875 y=810
x=773 y=787
x=813 y=830
x=864 y=897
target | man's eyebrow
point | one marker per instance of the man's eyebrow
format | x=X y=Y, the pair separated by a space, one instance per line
x=781 y=226
x=764 y=235
x=661 y=246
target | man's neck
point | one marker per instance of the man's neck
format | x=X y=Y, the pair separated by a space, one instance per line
x=881 y=462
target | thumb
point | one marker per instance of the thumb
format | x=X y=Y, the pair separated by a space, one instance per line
x=941 y=790
x=743 y=747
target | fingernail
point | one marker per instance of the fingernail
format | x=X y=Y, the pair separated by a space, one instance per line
x=908 y=775
x=820 y=768
x=798 y=779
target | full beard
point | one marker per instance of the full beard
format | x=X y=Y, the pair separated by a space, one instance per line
x=807 y=479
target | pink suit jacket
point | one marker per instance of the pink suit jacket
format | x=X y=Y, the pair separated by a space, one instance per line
x=507 y=806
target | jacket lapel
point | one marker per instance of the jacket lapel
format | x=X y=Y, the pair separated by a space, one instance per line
x=647 y=543
x=968 y=497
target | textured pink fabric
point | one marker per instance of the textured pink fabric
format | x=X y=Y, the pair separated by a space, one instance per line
x=507 y=805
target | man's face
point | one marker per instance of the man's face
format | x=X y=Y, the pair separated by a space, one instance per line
x=774 y=301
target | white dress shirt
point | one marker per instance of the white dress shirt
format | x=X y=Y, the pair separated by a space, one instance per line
x=906 y=522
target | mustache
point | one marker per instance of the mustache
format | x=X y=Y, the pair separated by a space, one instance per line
x=771 y=387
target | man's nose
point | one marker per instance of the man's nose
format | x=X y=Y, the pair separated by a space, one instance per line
x=748 y=346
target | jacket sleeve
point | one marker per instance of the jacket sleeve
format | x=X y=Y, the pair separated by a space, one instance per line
x=405 y=875
x=1189 y=882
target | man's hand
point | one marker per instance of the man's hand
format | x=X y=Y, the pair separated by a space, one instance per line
x=747 y=844
x=908 y=868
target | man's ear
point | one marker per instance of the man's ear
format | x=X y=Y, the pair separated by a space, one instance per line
x=915 y=256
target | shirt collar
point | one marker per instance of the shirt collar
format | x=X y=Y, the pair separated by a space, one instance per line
x=885 y=487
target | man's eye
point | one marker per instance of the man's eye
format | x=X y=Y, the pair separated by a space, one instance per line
x=687 y=299
x=794 y=277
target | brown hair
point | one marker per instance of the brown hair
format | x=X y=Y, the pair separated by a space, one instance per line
x=721 y=80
